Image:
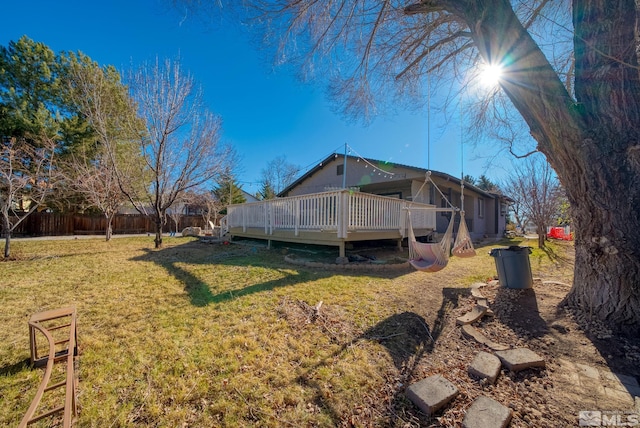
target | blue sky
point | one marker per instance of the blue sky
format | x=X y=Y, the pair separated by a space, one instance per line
x=266 y=112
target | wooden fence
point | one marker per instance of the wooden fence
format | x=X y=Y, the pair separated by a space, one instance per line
x=54 y=224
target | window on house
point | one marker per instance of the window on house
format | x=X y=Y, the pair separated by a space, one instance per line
x=340 y=169
x=480 y=208
x=444 y=204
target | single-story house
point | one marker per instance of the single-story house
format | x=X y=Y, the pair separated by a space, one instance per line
x=346 y=199
x=485 y=212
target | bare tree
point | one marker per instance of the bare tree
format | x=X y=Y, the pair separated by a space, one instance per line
x=175 y=213
x=208 y=205
x=180 y=144
x=517 y=206
x=104 y=102
x=277 y=175
x=579 y=98
x=534 y=186
x=27 y=177
x=97 y=182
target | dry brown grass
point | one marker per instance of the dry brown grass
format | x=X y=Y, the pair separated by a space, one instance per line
x=216 y=335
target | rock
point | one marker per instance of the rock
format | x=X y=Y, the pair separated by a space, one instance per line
x=432 y=393
x=191 y=231
x=485 y=412
x=520 y=359
x=476 y=293
x=485 y=366
x=473 y=333
x=472 y=316
x=483 y=302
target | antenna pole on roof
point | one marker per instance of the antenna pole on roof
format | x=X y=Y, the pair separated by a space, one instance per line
x=428 y=119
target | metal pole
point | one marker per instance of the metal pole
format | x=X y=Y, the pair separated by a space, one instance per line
x=344 y=168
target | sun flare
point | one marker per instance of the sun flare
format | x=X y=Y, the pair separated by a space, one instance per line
x=491 y=74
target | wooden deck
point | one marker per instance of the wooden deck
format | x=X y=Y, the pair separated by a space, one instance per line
x=329 y=218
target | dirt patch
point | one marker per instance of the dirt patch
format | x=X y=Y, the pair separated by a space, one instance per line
x=424 y=340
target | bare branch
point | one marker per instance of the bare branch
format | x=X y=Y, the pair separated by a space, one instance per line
x=425 y=6
x=27 y=178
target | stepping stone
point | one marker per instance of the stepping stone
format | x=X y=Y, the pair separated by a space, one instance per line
x=472 y=332
x=485 y=412
x=520 y=359
x=483 y=302
x=485 y=366
x=472 y=316
x=432 y=393
x=623 y=382
x=475 y=292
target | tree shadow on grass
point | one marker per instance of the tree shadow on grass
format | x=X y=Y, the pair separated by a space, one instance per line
x=408 y=338
x=200 y=292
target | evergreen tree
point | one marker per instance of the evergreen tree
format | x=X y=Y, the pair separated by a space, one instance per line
x=228 y=192
x=267 y=191
x=469 y=179
x=486 y=184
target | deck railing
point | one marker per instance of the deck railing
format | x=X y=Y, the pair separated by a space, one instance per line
x=342 y=211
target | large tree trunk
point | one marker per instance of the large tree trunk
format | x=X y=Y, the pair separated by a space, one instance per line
x=607 y=243
x=591 y=142
x=604 y=191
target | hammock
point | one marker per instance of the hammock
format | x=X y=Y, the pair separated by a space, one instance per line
x=429 y=257
x=463 y=246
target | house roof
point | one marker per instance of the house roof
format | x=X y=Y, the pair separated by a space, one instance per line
x=442 y=175
x=248 y=196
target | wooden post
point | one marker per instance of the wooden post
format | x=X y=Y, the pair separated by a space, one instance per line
x=244 y=222
x=270 y=214
x=343 y=214
x=297 y=217
x=341 y=249
x=265 y=218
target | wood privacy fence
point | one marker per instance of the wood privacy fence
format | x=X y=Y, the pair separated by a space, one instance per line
x=54 y=224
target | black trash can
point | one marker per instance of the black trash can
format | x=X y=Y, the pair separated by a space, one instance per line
x=513 y=266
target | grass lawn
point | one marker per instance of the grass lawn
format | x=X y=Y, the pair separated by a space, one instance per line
x=207 y=335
